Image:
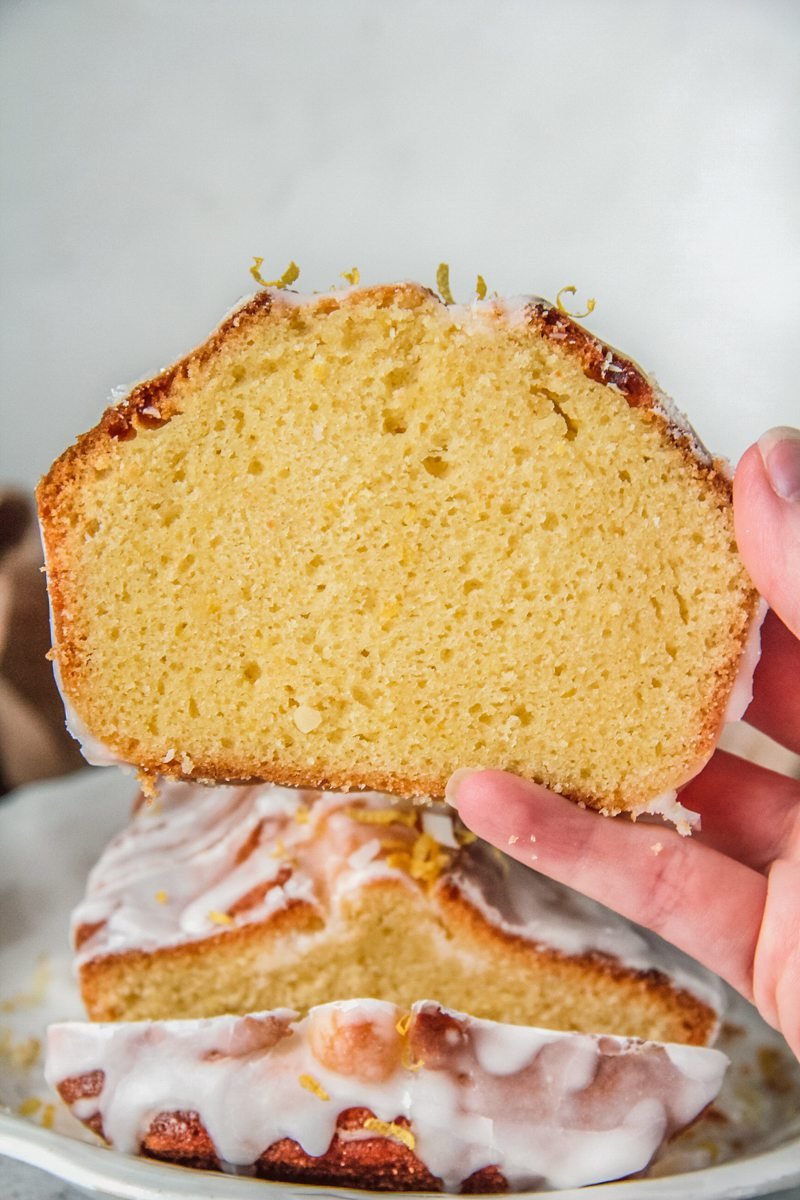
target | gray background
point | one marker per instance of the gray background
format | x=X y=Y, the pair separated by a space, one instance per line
x=643 y=150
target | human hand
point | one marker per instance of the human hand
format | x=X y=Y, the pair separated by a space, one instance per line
x=730 y=895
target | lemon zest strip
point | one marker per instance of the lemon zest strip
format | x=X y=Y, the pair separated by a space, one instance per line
x=353 y=276
x=390 y=844
x=403 y=1024
x=480 y=288
x=38 y=989
x=29 y=1106
x=220 y=918
x=288 y=277
x=382 y=816
x=428 y=859
x=392 y=1130
x=399 y=861
x=23 y=1054
x=443 y=283
x=562 y=308
x=313 y=1085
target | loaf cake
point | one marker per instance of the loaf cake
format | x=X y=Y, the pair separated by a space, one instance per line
x=362 y=539
x=367 y=1094
x=241 y=899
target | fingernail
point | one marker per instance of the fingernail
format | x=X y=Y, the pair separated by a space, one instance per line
x=780 y=453
x=456 y=782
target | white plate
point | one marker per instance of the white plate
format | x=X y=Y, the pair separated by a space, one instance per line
x=51 y=834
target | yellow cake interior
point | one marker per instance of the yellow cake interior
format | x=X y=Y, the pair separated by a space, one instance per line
x=380 y=540
x=389 y=944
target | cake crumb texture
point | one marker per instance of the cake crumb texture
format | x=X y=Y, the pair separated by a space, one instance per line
x=366 y=539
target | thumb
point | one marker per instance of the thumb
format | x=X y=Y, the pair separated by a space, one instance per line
x=766 y=510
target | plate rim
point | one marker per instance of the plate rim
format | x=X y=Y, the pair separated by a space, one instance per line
x=133 y=1177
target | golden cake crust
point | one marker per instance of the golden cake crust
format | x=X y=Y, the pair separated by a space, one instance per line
x=674 y=1015
x=372 y=1163
x=151 y=405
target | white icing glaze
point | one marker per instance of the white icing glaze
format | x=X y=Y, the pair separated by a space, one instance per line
x=527 y=904
x=438 y=823
x=92 y=750
x=190 y=857
x=670 y=809
x=548 y=1109
x=678 y=422
x=178 y=868
x=742 y=691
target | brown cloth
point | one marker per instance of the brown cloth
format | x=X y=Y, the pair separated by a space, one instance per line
x=34 y=743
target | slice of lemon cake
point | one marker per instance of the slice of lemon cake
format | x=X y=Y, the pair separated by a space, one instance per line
x=239 y=899
x=362 y=539
x=365 y=1094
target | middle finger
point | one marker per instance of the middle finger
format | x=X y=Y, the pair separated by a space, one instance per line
x=748 y=812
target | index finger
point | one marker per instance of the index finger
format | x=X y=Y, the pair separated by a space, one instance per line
x=707 y=904
x=768 y=528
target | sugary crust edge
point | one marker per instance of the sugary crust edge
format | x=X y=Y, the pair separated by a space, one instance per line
x=374 y=1163
x=151 y=404
x=698 y=1019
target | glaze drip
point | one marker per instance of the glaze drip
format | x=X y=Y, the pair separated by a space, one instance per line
x=546 y=1108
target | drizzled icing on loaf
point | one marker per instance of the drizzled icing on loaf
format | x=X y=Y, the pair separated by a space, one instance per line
x=547 y=1109
x=200 y=862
